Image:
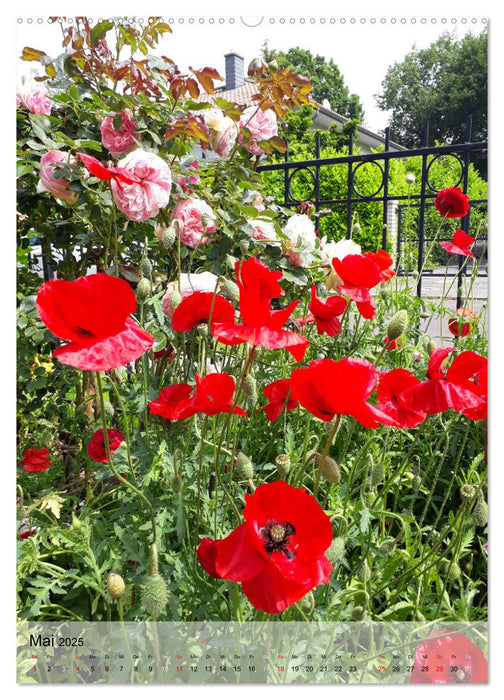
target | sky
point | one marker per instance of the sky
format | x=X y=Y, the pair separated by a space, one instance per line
x=362 y=46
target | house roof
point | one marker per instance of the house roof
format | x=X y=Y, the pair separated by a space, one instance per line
x=324 y=117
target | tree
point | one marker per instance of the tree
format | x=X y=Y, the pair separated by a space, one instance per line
x=443 y=83
x=324 y=75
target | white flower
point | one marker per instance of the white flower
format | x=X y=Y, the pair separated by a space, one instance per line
x=337 y=249
x=300 y=231
x=197 y=282
x=263 y=231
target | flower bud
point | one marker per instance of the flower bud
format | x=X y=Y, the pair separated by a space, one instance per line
x=431 y=346
x=146 y=267
x=480 y=513
x=451 y=570
x=109 y=409
x=231 y=291
x=143 y=289
x=336 y=550
x=467 y=492
x=387 y=546
x=169 y=237
x=356 y=227
x=308 y=603
x=398 y=325
x=283 y=465
x=244 y=466
x=364 y=572
x=358 y=613
x=330 y=469
x=250 y=387
x=410 y=179
x=202 y=330
x=176 y=483
x=115 y=586
x=377 y=475
x=230 y=262
x=154 y=595
x=175 y=299
x=416 y=482
x=244 y=245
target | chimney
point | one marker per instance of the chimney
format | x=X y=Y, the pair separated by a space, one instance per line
x=234 y=71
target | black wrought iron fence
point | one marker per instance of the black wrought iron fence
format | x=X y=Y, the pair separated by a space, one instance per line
x=310 y=173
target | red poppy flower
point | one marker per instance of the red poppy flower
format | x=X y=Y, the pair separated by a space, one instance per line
x=261 y=326
x=330 y=387
x=389 y=394
x=96 y=447
x=326 y=313
x=102 y=173
x=277 y=554
x=463 y=387
x=359 y=274
x=93 y=314
x=201 y=307
x=279 y=395
x=394 y=344
x=384 y=262
x=459 y=245
x=36 y=459
x=460 y=327
x=213 y=394
x=452 y=203
x=449 y=659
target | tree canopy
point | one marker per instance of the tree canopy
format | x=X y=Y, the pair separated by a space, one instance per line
x=325 y=76
x=444 y=83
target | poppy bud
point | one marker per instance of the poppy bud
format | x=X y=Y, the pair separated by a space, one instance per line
x=109 y=409
x=480 y=513
x=425 y=314
x=154 y=595
x=244 y=466
x=431 y=346
x=175 y=299
x=143 y=289
x=308 y=603
x=451 y=570
x=337 y=550
x=330 y=469
x=377 y=475
x=283 y=465
x=416 y=482
x=410 y=179
x=358 y=613
x=467 y=492
x=146 y=267
x=387 y=546
x=356 y=228
x=115 y=586
x=231 y=291
x=364 y=572
x=169 y=237
x=244 y=245
x=397 y=325
x=231 y=262
x=250 y=387
x=176 y=483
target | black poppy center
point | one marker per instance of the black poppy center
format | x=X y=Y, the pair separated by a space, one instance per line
x=277 y=537
x=84 y=331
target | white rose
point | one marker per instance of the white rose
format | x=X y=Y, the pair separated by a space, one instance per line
x=300 y=231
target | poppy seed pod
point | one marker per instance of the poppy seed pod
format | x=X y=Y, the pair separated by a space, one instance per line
x=115 y=586
x=397 y=325
x=244 y=467
x=467 y=492
x=283 y=464
x=154 y=595
x=143 y=289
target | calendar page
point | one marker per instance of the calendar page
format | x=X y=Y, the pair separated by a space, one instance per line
x=252 y=341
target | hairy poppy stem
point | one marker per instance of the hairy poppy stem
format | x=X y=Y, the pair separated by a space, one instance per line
x=109 y=458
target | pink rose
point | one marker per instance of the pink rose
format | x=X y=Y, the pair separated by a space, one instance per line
x=261 y=125
x=118 y=141
x=193 y=218
x=223 y=131
x=197 y=282
x=301 y=235
x=57 y=186
x=258 y=202
x=185 y=181
x=35 y=99
x=143 y=200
